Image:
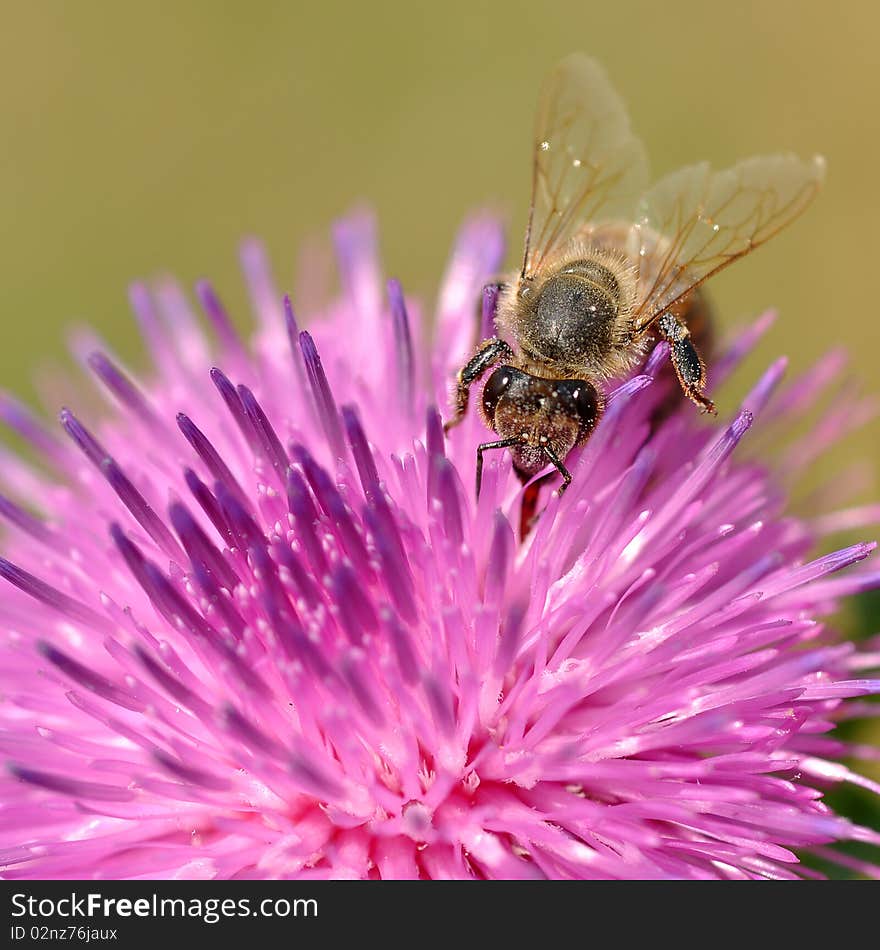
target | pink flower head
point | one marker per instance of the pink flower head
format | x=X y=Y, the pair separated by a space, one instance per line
x=260 y=627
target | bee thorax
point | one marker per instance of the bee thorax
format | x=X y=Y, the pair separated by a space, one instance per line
x=574 y=320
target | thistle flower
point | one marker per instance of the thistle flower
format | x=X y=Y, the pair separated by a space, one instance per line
x=260 y=627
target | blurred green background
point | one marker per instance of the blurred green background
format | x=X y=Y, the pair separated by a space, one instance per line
x=146 y=138
x=142 y=138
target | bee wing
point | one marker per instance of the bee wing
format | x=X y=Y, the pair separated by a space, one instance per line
x=586 y=160
x=695 y=222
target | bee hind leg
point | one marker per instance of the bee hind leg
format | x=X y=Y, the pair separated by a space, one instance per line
x=686 y=360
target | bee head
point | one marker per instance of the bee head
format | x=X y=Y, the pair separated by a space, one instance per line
x=554 y=414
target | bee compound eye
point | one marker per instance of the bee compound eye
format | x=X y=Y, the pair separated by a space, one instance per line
x=586 y=404
x=496 y=386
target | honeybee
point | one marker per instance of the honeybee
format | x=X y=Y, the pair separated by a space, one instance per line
x=609 y=265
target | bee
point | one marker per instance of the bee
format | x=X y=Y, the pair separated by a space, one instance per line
x=611 y=264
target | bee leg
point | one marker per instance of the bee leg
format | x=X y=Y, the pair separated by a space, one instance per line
x=491 y=351
x=558 y=465
x=500 y=444
x=689 y=365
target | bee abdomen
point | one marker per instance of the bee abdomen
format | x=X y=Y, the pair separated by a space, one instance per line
x=597 y=273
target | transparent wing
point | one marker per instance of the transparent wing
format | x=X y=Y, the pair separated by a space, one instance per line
x=586 y=160
x=695 y=222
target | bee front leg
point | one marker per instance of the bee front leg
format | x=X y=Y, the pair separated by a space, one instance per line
x=689 y=365
x=491 y=351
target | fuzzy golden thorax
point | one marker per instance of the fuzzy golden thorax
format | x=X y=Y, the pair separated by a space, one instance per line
x=572 y=318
